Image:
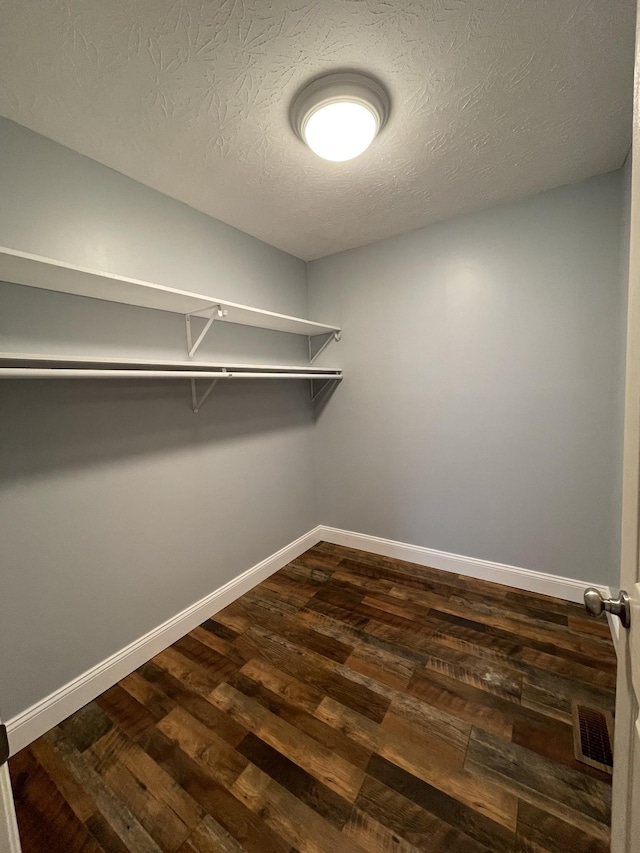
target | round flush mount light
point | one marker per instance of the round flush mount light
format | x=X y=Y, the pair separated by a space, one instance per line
x=339 y=115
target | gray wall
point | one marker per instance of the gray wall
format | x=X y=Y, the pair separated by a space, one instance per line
x=118 y=505
x=480 y=410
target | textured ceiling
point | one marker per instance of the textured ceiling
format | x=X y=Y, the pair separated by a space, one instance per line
x=491 y=99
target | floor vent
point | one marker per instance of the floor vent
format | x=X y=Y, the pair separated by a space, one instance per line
x=593 y=736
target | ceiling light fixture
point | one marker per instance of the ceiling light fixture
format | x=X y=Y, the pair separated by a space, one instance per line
x=339 y=115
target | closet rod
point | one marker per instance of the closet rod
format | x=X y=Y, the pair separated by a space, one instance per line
x=248 y=375
x=86 y=373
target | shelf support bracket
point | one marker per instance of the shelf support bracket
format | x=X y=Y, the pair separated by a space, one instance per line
x=332 y=336
x=197 y=404
x=326 y=384
x=218 y=314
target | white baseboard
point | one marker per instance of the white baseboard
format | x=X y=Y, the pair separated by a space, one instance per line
x=44 y=715
x=525 y=579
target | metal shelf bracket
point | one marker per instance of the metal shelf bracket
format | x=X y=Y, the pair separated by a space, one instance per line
x=197 y=404
x=219 y=313
x=325 y=385
x=332 y=336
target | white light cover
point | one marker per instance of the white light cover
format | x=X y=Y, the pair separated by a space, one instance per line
x=340 y=130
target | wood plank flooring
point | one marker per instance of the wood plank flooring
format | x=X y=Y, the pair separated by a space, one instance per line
x=349 y=703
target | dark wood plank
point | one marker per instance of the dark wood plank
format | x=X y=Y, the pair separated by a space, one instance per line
x=87 y=725
x=541 y=832
x=552 y=739
x=410 y=823
x=259 y=682
x=218 y=758
x=469 y=820
x=324 y=765
x=552 y=694
x=370 y=834
x=120 y=818
x=215 y=799
x=218 y=667
x=359 y=638
x=45 y=818
x=433 y=761
x=211 y=837
x=198 y=706
x=573 y=797
x=314 y=670
x=297 y=781
x=122 y=708
x=477 y=707
x=288 y=816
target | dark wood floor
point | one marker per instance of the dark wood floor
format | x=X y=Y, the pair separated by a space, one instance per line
x=349 y=703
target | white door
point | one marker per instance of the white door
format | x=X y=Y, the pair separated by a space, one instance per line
x=9 y=839
x=625 y=830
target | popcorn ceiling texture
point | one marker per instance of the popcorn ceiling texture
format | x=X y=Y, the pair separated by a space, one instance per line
x=491 y=99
